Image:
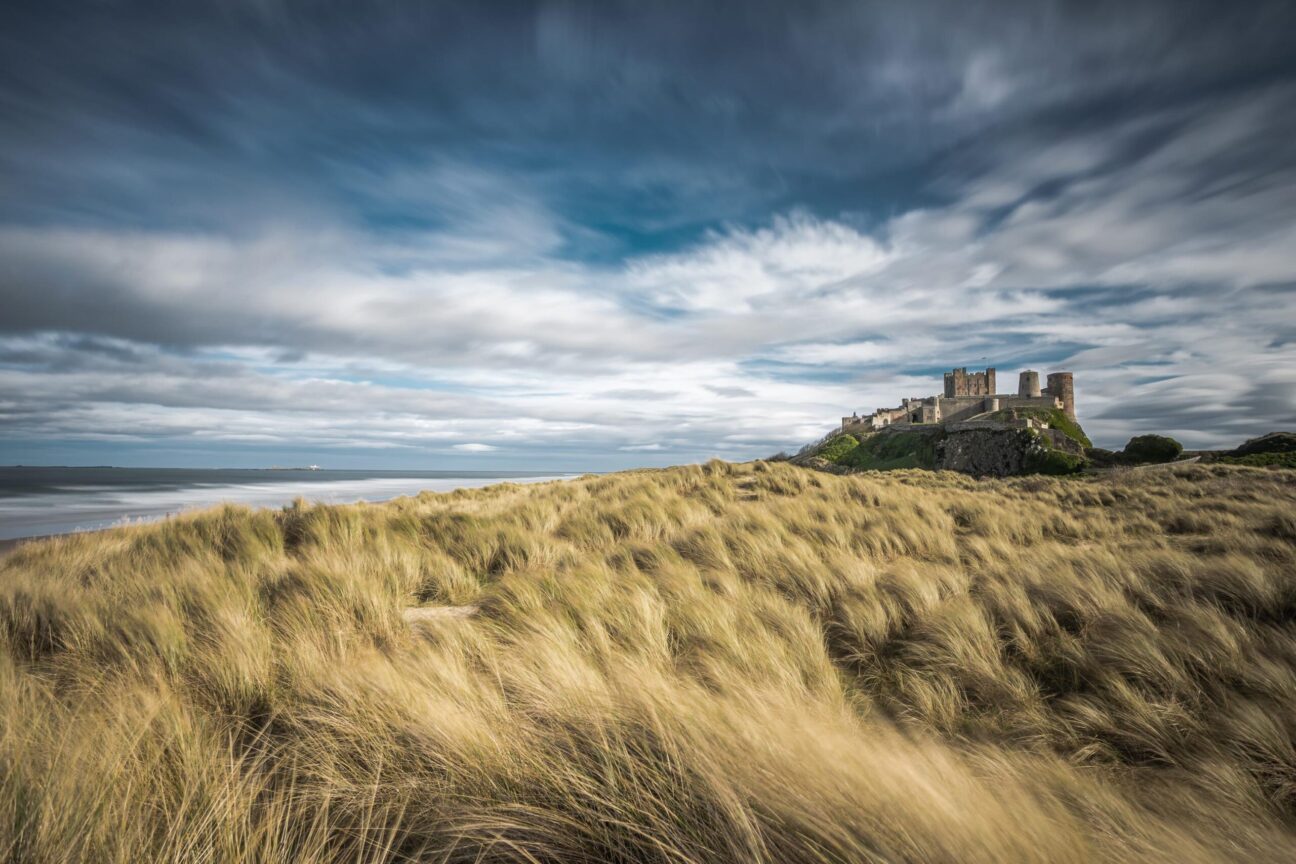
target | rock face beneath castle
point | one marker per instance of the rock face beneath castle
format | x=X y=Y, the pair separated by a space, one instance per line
x=972 y=397
x=998 y=452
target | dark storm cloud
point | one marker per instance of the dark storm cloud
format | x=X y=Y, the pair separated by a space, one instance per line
x=671 y=228
x=627 y=111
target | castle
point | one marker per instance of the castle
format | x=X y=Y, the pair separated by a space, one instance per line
x=970 y=397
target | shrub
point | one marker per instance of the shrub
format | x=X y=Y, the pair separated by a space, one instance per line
x=1043 y=458
x=838 y=447
x=1055 y=462
x=1152 y=448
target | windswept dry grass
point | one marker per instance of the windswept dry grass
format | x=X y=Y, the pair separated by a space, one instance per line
x=721 y=663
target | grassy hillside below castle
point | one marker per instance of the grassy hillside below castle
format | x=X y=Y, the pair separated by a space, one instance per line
x=1010 y=450
x=889 y=452
x=718 y=663
x=1060 y=448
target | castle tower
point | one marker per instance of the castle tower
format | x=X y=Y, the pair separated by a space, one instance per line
x=959 y=382
x=955 y=383
x=1061 y=387
x=1028 y=383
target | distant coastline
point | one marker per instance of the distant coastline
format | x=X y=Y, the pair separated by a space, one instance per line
x=39 y=501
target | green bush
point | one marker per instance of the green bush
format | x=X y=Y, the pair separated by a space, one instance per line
x=1050 y=461
x=1043 y=458
x=1152 y=448
x=838 y=447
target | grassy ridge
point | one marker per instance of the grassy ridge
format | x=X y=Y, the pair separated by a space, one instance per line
x=719 y=663
x=892 y=450
x=1261 y=460
x=882 y=451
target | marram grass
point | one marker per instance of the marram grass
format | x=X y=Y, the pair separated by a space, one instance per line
x=727 y=663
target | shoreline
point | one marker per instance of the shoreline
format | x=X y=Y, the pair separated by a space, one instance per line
x=171 y=504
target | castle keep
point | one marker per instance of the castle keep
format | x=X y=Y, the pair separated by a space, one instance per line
x=971 y=397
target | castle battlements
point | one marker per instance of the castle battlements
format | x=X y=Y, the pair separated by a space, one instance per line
x=968 y=397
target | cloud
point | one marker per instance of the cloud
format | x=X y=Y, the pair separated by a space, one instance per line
x=741 y=270
x=841 y=354
x=621 y=241
x=732 y=392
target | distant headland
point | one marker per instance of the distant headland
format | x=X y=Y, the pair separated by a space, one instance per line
x=972 y=428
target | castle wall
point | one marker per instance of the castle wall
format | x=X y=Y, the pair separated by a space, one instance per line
x=968 y=395
x=879 y=419
x=887 y=416
x=1045 y=401
x=946 y=410
x=962 y=407
x=970 y=425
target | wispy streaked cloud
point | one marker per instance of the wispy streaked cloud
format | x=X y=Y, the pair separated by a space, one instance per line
x=621 y=248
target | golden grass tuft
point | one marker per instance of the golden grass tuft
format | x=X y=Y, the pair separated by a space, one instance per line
x=704 y=664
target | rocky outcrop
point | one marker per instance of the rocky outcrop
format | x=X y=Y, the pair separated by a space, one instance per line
x=1006 y=452
x=997 y=452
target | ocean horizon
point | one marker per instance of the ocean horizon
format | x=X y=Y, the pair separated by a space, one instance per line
x=37 y=501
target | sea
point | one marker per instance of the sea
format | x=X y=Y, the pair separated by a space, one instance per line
x=38 y=501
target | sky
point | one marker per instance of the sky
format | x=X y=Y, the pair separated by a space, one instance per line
x=588 y=236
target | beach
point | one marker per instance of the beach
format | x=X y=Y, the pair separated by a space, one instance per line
x=44 y=501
